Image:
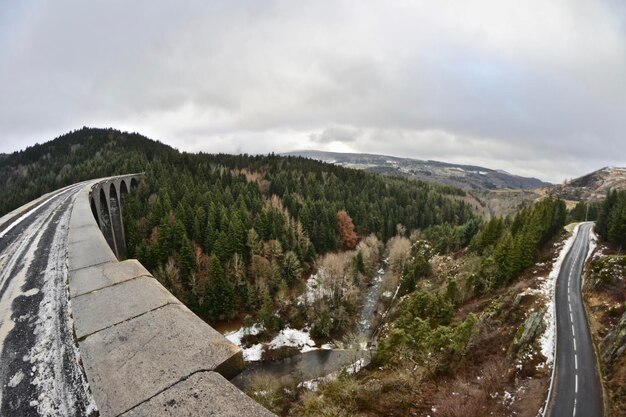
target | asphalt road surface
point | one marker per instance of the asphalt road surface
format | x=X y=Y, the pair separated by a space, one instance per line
x=39 y=368
x=577 y=390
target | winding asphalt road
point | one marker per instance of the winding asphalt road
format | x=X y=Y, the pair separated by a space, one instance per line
x=39 y=363
x=577 y=390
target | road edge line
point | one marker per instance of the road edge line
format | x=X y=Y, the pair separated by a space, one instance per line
x=606 y=410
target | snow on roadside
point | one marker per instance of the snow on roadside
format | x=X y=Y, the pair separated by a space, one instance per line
x=547 y=288
x=62 y=386
x=593 y=243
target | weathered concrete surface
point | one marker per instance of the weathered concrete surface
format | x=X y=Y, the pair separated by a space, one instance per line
x=138 y=343
x=100 y=276
x=134 y=360
x=87 y=246
x=114 y=304
x=82 y=214
x=205 y=391
x=88 y=253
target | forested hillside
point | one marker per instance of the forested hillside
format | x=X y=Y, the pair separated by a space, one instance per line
x=226 y=233
x=510 y=245
x=611 y=224
x=229 y=233
x=79 y=155
x=278 y=243
x=605 y=296
x=465 y=333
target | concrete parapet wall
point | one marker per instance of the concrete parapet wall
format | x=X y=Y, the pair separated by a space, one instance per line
x=143 y=351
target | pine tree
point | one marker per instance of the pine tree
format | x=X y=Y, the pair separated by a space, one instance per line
x=187 y=261
x=223 y=293
x=292 y=270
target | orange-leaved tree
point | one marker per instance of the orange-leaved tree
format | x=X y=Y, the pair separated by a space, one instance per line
x=349 y=237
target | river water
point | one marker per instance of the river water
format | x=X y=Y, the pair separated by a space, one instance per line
x=318 y=363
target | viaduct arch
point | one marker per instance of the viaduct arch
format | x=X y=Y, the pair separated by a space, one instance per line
x=107 y=200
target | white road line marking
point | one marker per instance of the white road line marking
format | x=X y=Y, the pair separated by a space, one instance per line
x=31 y=211
x=576 y=384
x=25 y=216
x=576 y=362
x=574 y=345
x=573 y=331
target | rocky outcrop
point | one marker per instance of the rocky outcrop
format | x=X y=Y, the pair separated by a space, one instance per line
x=532 y=327
x=613 y=345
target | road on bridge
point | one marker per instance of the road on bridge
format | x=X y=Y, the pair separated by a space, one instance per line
x=39 y=370
x=576 y=390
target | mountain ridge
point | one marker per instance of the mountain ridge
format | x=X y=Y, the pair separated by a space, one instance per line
x=464 y=176
x=592 y=186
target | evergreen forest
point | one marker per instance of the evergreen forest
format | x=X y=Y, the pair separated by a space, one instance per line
x=229 y=234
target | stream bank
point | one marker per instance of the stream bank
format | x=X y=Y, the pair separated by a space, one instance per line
x=313 y=363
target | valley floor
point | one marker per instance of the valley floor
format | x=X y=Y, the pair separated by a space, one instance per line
x=503 y=370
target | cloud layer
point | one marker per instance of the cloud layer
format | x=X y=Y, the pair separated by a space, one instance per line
x=534 y=87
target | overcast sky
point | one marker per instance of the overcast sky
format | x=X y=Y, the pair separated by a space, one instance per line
x=534 y=87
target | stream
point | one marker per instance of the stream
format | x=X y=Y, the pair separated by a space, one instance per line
x=321 y=362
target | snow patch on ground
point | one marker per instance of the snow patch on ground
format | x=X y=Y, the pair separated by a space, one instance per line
x=314 y=289
x=31 y=292
x=313 y=384
x=293 y=338
x=286 y=338
x=547 y=288
x=593 y=244
x=16 y=379
x=235 y=337
x=252 y=353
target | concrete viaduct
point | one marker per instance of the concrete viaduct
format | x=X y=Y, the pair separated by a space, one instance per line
x=144 y=353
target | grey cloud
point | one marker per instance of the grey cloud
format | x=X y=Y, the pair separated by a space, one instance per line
x=533 y=87
x=336 y=134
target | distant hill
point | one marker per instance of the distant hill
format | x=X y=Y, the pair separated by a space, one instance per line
x=467 y=177
x=76 y=156
x=593 y=186
x=375 y=203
